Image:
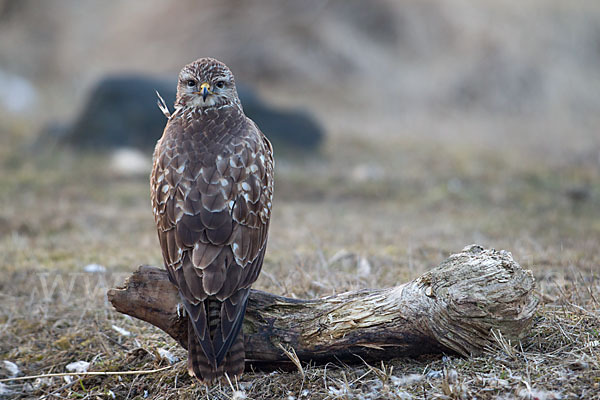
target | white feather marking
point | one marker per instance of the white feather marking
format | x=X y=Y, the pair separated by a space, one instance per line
x=165 y=188
x=181 y=168
x=197 y=101
x=162 y=105
x=223 y=181
x=245 y=186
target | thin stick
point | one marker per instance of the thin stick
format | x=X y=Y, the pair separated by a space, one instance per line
x=291 y=354
x=141 y=372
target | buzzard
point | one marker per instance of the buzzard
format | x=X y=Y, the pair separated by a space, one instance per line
x=211 y=190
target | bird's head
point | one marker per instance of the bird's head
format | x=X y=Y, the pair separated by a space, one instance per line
x=206 y=83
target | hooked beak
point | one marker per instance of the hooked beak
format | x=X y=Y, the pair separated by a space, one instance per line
x=204 y=90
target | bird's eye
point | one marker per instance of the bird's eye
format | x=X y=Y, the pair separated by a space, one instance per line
x=191 y=83
x=220 y=84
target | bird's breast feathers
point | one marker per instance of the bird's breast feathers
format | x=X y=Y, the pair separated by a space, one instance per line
x=212 y=188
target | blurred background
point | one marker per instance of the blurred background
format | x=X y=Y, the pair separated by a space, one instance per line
x=404 y=130
x=400 y=127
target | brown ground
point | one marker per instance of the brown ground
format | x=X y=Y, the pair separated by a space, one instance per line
x=480 y=125
x=401 y=203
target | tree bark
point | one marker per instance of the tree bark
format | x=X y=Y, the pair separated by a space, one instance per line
x=453 y=308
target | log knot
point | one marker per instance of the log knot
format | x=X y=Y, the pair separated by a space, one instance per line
x=476 y=291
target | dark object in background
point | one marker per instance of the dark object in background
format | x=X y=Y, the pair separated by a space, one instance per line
x=121 y=111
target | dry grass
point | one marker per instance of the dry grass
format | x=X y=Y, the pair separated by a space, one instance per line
x=359 y=215
x=479 y=125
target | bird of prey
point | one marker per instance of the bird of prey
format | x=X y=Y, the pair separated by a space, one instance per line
x=211 y=190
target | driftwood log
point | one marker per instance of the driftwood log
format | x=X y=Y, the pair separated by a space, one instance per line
x=457 y=307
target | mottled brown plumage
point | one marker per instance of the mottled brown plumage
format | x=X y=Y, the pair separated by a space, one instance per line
x=211 y=189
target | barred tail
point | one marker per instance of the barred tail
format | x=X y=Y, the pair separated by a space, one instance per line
x=234 y=361
x=199 y=365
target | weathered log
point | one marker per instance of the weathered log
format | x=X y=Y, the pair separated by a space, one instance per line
x=453 y=308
